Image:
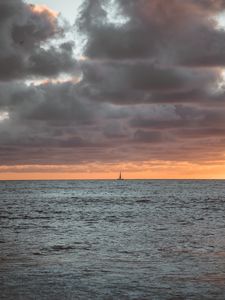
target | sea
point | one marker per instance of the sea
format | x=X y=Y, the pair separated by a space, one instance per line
x=112 y=239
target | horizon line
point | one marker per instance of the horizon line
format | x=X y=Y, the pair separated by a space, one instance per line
x=112 y=179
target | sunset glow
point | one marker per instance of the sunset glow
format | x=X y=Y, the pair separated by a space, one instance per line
x=42 y=9
x=152 y=170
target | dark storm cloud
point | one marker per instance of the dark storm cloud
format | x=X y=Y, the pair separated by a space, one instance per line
x=180 y=32
x=50 y=123
x=183 y=117
x=49 y=117
x=157 y=55
x=52 y=102
x=146 y=82
x=148 y=136
x=24 y=29
x=151 y=87
x=211 y=5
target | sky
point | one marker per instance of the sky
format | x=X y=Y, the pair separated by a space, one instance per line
x=68 y=8
x=90 y=88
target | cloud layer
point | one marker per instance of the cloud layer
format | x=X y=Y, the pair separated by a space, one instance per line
x=150 y=85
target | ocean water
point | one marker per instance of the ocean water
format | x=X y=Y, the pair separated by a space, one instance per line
x=131 y=239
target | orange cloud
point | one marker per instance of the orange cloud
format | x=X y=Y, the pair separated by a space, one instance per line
x=40 y=9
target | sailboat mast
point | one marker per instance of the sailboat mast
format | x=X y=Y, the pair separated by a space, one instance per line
x=120 y=176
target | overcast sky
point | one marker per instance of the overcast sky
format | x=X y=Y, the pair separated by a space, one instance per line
x=136 y=85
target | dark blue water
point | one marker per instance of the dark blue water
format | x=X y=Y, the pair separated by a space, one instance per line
x=112 y=240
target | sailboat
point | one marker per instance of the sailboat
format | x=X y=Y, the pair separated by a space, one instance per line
x=120 y=177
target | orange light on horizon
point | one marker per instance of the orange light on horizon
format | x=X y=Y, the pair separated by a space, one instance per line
x=147 y=170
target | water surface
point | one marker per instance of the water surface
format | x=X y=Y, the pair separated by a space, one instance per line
x=126 y=239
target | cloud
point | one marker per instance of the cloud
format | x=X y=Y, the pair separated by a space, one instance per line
x=174 y=32
x=146 y=82
x=148 y=136
x=25 y=33
x=52 y=123
x=150 y=89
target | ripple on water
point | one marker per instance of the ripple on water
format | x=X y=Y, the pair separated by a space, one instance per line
x=161 y=240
